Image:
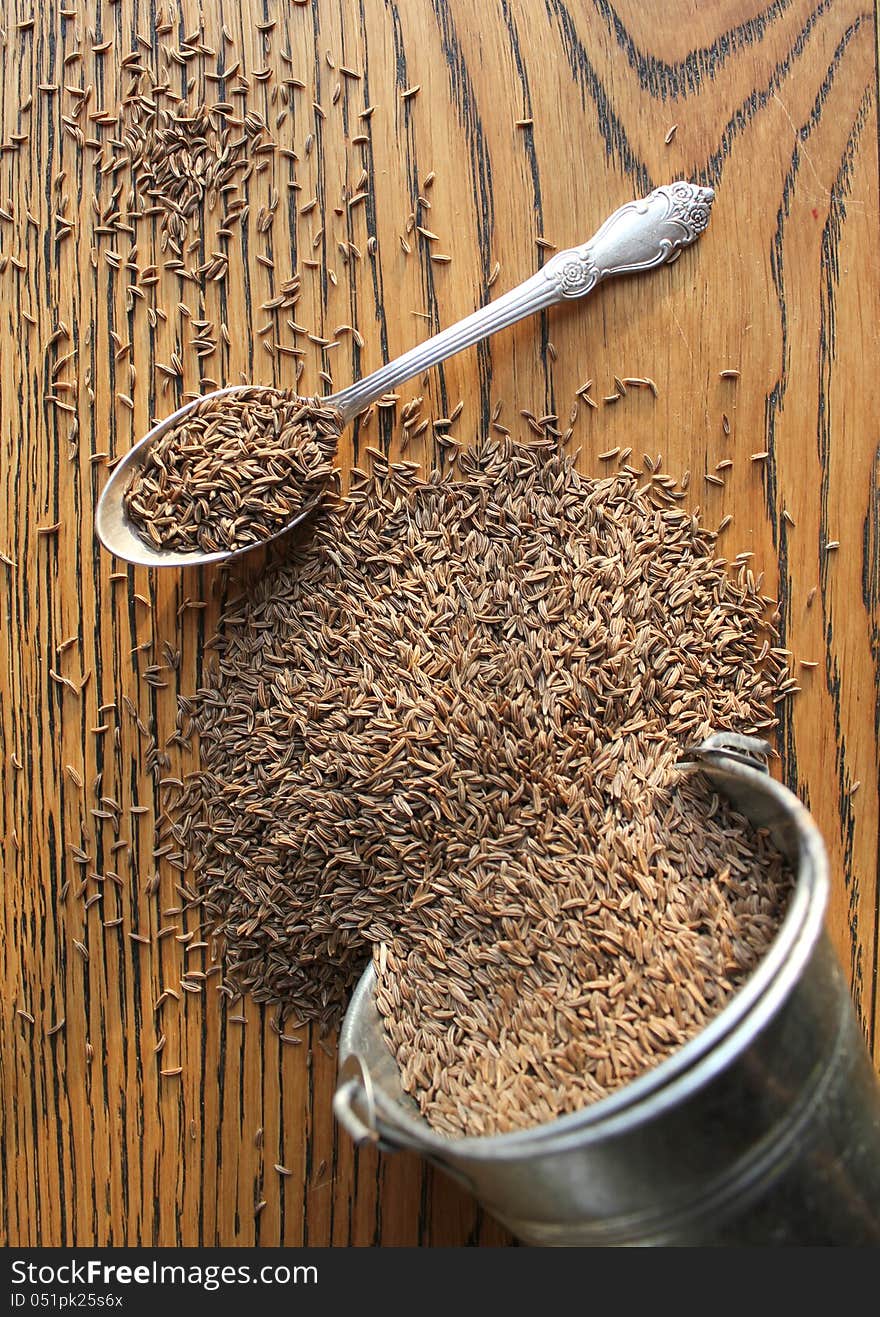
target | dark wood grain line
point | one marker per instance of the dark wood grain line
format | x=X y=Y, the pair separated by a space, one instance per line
x=538 y=205
x=876 y=26
x=464 y=98
x=871 y=601
x=8 y=1020
x=680 y=79
x=711 y=173
x=206 y=1075
x=375 y=265
x=828 y=348
x=592 y=88
x=776 y=398
x=317 y=127
x=310 y=1101
x=351 y=264
x=405 y=112
x=293 y=194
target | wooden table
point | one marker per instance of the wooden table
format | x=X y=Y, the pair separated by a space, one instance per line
x=522 y=126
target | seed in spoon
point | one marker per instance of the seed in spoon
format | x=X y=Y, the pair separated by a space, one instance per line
x=234 y=471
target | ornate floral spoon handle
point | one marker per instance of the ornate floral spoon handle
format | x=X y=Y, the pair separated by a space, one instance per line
x=638 y=236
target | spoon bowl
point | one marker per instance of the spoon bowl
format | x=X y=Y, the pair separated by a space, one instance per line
x=115 y=528
x=639 y=236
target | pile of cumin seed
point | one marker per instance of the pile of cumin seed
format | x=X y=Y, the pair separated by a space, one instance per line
x=234 y=471
x=187 y=157
x=444 y=735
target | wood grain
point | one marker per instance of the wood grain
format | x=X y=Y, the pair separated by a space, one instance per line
x=775 y=106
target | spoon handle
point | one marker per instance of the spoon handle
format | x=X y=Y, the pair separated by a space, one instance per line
x=639 y=236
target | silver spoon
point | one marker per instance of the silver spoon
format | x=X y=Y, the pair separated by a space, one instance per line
x=641 y=235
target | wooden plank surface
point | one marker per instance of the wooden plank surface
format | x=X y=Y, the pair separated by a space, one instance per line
x=775 y=106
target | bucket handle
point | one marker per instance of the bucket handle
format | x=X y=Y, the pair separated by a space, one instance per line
x=356 y=1085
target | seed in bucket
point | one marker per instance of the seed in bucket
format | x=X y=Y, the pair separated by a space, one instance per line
x=544 y=980
x=234 y=471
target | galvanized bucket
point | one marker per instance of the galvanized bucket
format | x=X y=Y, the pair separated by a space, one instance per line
x=764 y=1129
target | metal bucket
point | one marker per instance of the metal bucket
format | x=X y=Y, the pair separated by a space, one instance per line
x=763 y=1129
